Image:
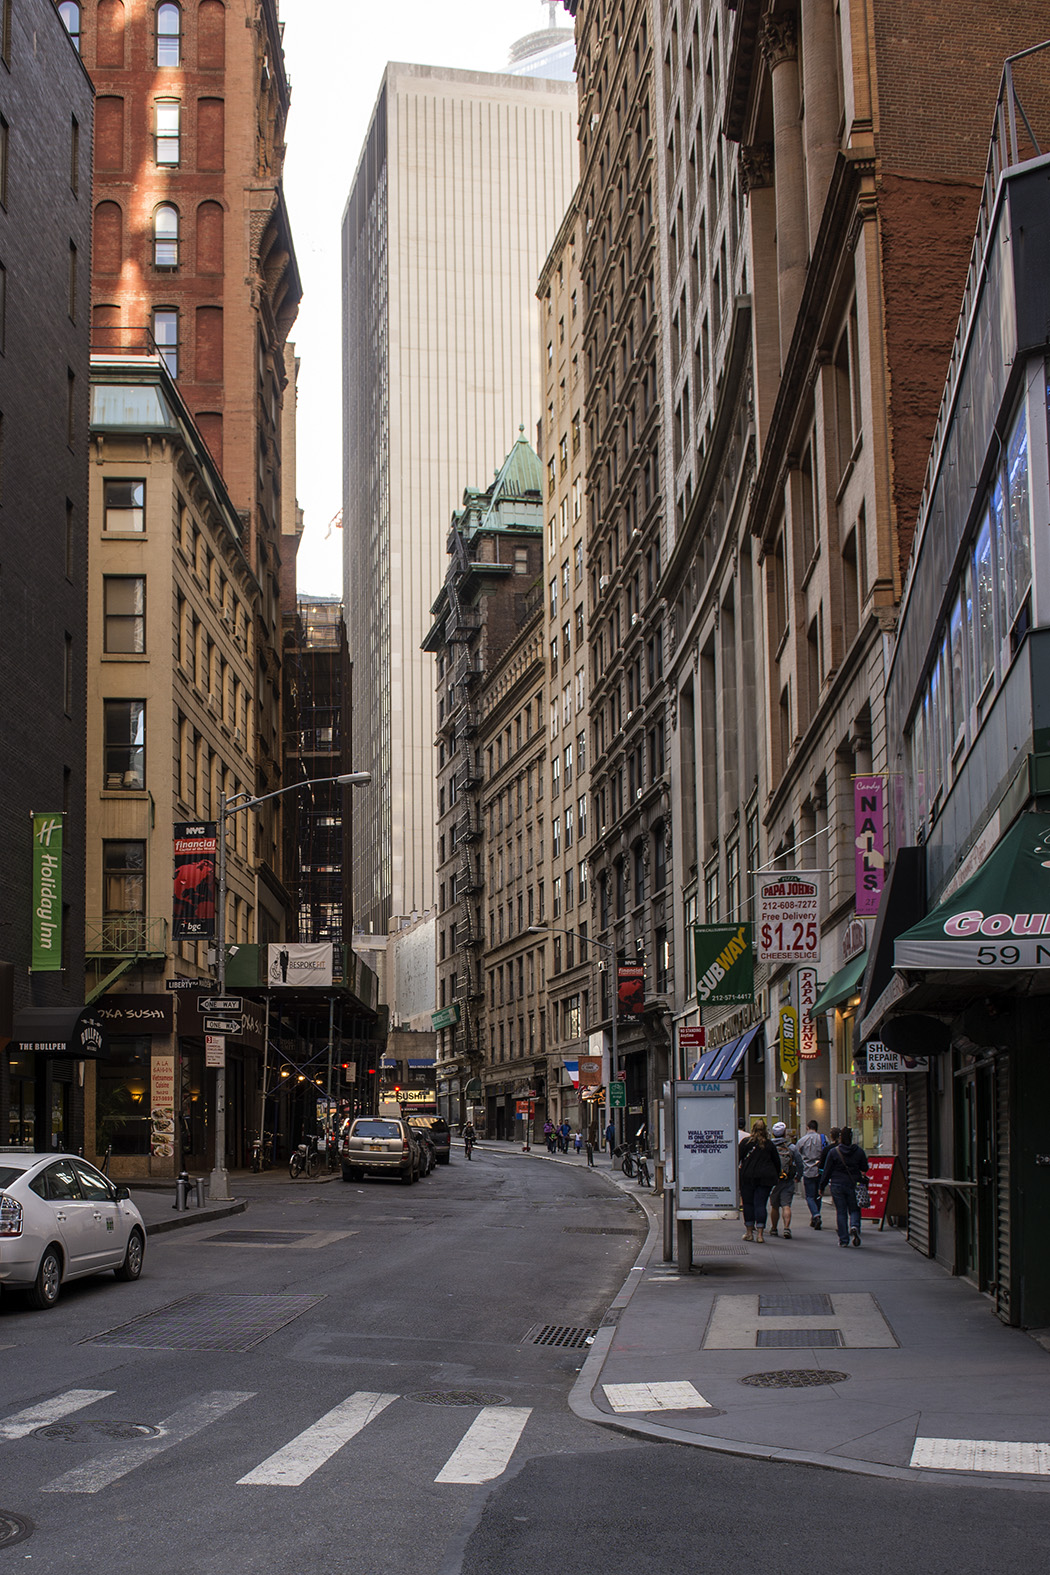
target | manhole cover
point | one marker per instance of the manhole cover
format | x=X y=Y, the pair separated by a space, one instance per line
x=815 y=1305
x=797 y=1339
x=232 y=1321
x=794 y=1378
x=71 y=1432
x=457 y=1397
x=597 y=1230
x=260 y=1238
x=13 y=1528
x=560 y=1334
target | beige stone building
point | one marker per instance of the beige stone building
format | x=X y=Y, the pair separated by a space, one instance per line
x=463 y=180
x=172 y=607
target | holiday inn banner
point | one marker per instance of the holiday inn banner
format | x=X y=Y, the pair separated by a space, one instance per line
x=47 y=894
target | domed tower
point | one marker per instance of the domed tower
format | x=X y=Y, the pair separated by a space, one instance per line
x=550 y=52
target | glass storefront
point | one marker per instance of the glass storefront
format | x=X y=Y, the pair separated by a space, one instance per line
x=122 y=1098
x=21 y=1121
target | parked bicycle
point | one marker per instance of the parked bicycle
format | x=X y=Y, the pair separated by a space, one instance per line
x=307 y=1156
x=262 y=1152
x=634 y=1161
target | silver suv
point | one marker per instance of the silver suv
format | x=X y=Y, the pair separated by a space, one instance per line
x=379 y=1146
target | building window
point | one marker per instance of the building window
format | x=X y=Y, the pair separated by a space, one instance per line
x=125 y=505
x=169 y=35
x=72 y=282
x=166 y=139
x=67 y=676
x=125 y=743
x=123 y=878
x=124 y=613
x=166 y=237
x=166 y=336
x=4 y=143
x=74 y=155
x=69 y=11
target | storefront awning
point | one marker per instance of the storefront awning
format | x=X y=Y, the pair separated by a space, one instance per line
x=841 y=985
x=999 y=919
x=60 y=1031
x=725 y=1059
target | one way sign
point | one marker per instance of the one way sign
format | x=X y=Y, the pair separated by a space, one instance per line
x=220 y=1003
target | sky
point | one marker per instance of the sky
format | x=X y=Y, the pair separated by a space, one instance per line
x=335 y=52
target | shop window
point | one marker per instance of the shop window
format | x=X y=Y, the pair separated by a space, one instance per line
x=122 y=1098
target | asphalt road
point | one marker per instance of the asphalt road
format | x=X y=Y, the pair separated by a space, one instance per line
x=366 y=1395
x=338 y=1399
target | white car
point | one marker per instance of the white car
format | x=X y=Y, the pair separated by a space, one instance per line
x=60 y=1218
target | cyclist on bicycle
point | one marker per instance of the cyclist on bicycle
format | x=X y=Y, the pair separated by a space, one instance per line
x=469 y=1137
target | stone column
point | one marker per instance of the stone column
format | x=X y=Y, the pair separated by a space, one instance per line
x=820 y=89
x=756 y=174
x=779 y=43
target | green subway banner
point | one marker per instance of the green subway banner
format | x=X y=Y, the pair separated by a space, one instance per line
x=725 y=964
x=47 y=893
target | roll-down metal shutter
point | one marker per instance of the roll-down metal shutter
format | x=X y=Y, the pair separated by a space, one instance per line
x=917 y=1161
x=1003 y=1281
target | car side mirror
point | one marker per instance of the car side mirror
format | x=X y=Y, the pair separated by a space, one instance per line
x=122 y=1193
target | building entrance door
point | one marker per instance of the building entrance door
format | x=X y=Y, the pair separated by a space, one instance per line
x=975 y=1173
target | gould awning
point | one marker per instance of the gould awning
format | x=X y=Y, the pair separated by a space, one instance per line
x=60 y=1031
x=999 y=918
x=841 y=985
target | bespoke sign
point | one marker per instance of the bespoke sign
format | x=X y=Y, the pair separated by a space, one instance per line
x=47 y=894
x=789 y=919
x=298 y=965
x=725 y=964
x=870 y=841
x=193 y=900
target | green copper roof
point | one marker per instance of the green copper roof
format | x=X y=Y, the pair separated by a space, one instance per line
x=519 y=481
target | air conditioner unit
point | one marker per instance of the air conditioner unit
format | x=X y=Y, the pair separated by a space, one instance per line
x=603 y=582
x=638 y=792
x=594 y=121
x=238 y=736
x=635 y=618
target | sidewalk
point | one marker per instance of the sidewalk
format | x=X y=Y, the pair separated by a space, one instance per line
x=869 y=1360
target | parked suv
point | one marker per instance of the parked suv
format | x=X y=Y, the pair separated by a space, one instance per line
x=437 y=1130
x=379 y=1146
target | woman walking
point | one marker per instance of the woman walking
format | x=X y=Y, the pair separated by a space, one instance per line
x=844 y=1164
x=759 y=1170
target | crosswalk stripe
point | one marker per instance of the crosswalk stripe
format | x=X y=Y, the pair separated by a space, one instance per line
x=300 y=1458
x=175 y=1429
x=52 y=1410
x=485 y=1449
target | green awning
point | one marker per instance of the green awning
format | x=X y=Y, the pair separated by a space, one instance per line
x=841 y=985
x=999 y=918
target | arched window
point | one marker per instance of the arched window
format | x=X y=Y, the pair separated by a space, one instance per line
x=169 y=35
x=69 y=11
x=166 y=237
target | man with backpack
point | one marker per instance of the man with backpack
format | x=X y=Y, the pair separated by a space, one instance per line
x=784 y=1187
x=810 y=1150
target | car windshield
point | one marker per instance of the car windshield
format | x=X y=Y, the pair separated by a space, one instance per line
x=376 y=1129
x=9 y=1173
x=431 y=1123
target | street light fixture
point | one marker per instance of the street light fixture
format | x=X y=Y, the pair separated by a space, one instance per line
x=219 y=1186
x=603 y=946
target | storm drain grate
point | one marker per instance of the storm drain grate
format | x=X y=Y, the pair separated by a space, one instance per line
x=560 y=1334
x=794 y=1378
x=14 y=1528
x=457 y=1397
x=597 y=1230
x=797 y=1339
x=816 y=1305
x=76 y=1432
x=722 y=1252
x=260 y=1238
x=222 y=1322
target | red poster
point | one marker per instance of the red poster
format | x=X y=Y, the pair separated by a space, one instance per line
x=193 y=903
x=631 y=989
x=880 y=1174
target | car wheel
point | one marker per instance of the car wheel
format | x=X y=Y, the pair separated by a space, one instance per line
x=131 y=1268
x=407 y=1177
x=447 y=1160
x=48 y=1280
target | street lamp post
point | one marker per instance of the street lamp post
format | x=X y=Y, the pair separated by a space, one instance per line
x=603 y=946
x=219 y=1186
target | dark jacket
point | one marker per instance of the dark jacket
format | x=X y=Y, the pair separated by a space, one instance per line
x=844 y=1164
x=759 y=1162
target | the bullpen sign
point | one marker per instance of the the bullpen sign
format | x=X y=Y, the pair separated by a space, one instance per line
x=193 y=901
x=47 y=894
x=870 y=839
x=725 y=964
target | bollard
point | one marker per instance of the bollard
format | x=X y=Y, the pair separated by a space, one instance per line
x=199 y=1185
x=182 y=1187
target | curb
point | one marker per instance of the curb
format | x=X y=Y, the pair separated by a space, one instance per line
x=195 y=1217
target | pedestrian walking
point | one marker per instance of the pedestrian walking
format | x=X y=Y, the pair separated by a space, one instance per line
x=810 y=1149
x=578 y=1140
x=845 y=1164
x=610 y=1137
x=759 y=1169
x=566 y=1134
x=784 y=1186
x=548 y=1133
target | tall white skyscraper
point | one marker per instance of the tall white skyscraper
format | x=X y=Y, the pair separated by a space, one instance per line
x=463 y=181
